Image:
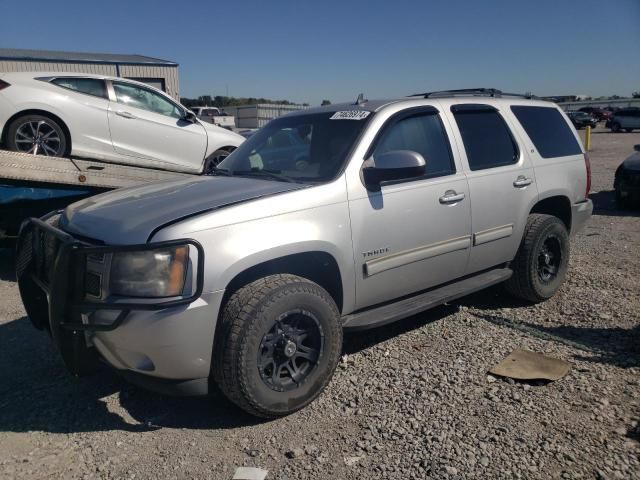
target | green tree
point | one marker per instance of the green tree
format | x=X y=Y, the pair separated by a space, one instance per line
x=325 y=102
x=636 y=94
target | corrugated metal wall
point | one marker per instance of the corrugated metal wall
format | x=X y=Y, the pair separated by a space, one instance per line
x=168 y=73
x=257 y=116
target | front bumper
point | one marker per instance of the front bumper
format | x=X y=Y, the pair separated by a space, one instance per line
x=580 y=214
x=169 y=339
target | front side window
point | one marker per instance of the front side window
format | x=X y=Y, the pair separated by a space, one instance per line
x=307 y=147
x=548 y=130
x=89 y=86
x=421 y=133
x=486 y=137
x=139 y=97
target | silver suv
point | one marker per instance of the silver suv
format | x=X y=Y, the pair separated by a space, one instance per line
x=340 y=217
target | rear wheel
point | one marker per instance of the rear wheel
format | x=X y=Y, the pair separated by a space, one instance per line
x=628 y=130
x=621 y=202
x=542 y=259
x=615 y=127
x=279 y=344
x=37 y=134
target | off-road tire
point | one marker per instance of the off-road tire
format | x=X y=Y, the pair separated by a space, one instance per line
x=248 y=314
x=525 y=283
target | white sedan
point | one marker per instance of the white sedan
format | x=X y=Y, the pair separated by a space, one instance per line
x=106 y=118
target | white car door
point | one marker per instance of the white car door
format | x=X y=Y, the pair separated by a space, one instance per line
x=149 y=127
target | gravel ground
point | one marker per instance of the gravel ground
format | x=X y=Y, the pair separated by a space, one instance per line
x=411 y=400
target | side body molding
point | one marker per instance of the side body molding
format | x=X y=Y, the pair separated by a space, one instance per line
x=381 y=264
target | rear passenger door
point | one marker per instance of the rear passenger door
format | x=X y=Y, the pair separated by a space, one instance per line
x=501 y=180
x=411 y=234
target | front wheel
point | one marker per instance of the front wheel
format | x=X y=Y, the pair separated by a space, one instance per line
x=37 y=134
x=214 y=159
x=542 y=259
x=615 y=127
x=278 y=345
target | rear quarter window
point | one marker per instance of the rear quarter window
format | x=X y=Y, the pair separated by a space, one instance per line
x=548 y=131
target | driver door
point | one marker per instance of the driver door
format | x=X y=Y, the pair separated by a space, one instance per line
x=416 y=233
x=148 y=127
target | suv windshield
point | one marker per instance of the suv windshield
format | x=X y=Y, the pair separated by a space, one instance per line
x=310 y=147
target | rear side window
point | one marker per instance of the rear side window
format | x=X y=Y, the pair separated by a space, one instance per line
x=486 y=137
x=421 y=133
x=90 y=86
x=548 y=131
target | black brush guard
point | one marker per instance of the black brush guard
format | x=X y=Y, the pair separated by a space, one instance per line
x=51 y=273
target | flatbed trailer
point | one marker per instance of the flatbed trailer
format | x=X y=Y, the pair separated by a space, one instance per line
x=37 y=172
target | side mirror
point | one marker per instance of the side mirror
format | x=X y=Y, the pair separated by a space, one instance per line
x=394 y=165
x=189 y=116
x=637 y=147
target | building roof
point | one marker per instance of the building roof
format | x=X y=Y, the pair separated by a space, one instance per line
x=80 y=57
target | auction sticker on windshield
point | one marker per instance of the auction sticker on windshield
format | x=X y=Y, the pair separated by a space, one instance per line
x=350 y=115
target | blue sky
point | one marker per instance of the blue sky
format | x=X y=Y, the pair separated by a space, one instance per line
x=307 y=51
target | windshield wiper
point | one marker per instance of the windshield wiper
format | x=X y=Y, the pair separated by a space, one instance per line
x=264 y=173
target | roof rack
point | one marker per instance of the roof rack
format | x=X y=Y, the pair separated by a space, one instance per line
x=481 y=92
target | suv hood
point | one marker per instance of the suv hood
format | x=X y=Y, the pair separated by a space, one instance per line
x=130 y=215
x=633 y=162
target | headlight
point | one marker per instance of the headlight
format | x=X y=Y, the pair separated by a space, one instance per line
x=149 y=273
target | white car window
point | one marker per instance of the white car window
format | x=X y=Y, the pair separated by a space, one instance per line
x=140 y=97
x=90 y=86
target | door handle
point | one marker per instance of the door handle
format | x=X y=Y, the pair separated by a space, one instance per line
x=522 y=181
x=450 y=196
x=125 y=114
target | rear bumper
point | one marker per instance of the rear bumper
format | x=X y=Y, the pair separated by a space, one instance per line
x=580 y=214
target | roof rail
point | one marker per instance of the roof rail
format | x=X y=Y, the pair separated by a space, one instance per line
x=482 y=92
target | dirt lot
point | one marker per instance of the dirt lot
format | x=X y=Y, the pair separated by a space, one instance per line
x=411 y=400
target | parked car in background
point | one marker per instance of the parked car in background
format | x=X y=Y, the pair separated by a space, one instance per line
x=106 y=118
x=626 y=119
x=367 y=213
x=600 y=114
x=581 y=120
x=627 y=180
x=214 y=115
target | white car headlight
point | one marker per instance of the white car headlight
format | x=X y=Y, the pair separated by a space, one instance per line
x=154 y=273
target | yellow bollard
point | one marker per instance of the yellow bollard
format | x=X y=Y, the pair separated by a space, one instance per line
x=587 y=138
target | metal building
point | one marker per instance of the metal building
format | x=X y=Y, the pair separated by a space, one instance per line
x=162 y=74
x=257 y=116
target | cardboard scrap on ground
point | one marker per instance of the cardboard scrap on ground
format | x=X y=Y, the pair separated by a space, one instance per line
x=250 y=473
x=526 y=365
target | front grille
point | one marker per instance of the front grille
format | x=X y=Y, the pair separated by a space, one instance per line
x=49 y=246
x=25 y=252
x=93 y=284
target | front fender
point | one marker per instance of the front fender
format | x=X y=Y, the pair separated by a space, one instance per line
x=233 y=248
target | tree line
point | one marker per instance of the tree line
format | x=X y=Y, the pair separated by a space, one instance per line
x=221 y=101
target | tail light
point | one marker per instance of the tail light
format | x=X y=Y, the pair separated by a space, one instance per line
x=587 y=164
x=4 y=84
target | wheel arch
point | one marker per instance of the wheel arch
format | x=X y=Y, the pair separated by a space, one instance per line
x=557 y=205
x=36 y=111
x=317 y=266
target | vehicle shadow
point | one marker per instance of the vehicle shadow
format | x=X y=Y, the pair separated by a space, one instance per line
x=356 y=341
x=616 y=346
x=37 y=393
x=604 y=203
x=7 y=265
